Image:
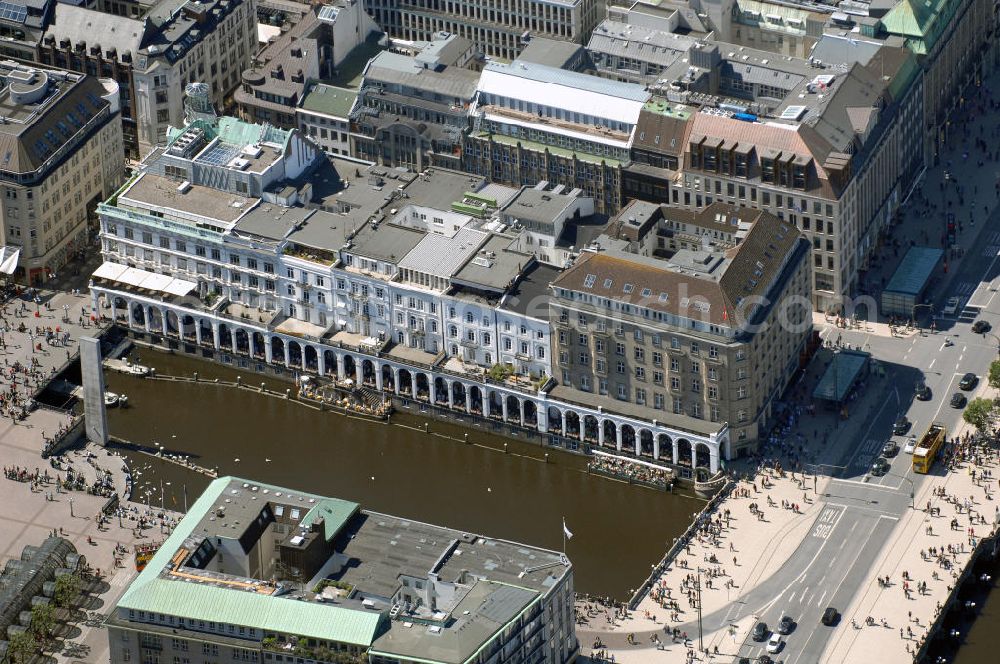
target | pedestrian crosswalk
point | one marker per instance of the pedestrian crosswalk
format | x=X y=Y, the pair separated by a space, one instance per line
x=964 y=288
x=991 y=250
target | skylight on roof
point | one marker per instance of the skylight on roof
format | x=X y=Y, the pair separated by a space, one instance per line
x=627 y=288
x=589 y=281
x=608 y=282
x=646 y=292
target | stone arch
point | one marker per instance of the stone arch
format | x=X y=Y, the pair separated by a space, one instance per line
x=666 y=446
x=225 y=337
x=405 y=382
x=350 y=367
x=367 y=372
x=554 y=416
x=206 y=332
x=121 y=309
x=421 y=386
x=187 y=327
x=330 y=362
x=173 y=322
x=294 y=354
x=258 y=345
x=242 y=341
x=476 y=398
x=311 y=358
x=156 y=320
x=277 y=349
x=138 y=314
x=530 y=413
x=628 y=438
x=388 y=383
x=572 y=424
x=440 y=390
x=703 y=454
x=591 y=428
x=610 y=433
x=513 y=409
x=458 y=394
x=684 y=452
x=496 y=404
x=645 y=442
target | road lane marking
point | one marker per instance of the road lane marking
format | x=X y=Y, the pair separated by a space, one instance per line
x=821 y=599
x=931 y=365
x=791 y=598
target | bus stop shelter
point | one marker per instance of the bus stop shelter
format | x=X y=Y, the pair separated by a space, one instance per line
x=910 y=281
x=844 y=372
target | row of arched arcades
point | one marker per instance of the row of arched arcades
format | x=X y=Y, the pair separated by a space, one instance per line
x=442 y=391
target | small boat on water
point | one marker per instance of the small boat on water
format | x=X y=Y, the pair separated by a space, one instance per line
x=111 y=399
x=135 y=369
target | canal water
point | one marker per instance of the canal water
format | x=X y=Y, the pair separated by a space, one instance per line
x=619 y=531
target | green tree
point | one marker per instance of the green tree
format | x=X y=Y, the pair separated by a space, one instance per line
x=994 y=378
x=67 y=588
x=979 y=413
x=43 y=619
x=21 y=647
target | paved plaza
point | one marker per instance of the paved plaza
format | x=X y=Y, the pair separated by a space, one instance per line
x=30 y=512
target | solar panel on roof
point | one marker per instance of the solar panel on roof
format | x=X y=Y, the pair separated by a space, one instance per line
x=12 y=12
x=219 y=154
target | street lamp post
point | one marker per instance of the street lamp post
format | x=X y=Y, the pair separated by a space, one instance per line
x=701 y=645
x=912 y=489
x=71 y=507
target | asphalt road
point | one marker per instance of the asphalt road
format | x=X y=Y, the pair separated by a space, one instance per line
x=860 y=509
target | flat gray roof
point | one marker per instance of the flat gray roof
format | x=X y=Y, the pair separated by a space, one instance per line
x=914 y=271
x=271 y=222
x=530 y=295
x=538 y=206
x=387 y=242
x=157 y=191
x=497 y=270
x=324 y=230
x=439 y=187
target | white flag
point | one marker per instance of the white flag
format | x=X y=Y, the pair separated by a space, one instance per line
x=566 y=531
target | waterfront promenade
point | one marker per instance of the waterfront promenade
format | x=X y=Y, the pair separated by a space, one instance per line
x=744 y=582
x=30 y=512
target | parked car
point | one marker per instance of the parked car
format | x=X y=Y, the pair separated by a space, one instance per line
x=968 y=381
x=759 y=631
x=911 y=444
x=880 y=467
x=922 y=392
x=958 y=400
x=951 y=307
x=901 y=425
x=786 y=625
x=830 y=617
x=981 y=326
x=890 y=449
x=774 y=643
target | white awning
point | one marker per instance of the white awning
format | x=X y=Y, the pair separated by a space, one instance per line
x=152 y=281
x=110 y=271
x=8 y=259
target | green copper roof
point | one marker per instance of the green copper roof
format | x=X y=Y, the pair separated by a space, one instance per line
x=330 y=100
x=206 y=602
x=271 y=614
x=921 y=21
x=334 y=512
x=234 y=132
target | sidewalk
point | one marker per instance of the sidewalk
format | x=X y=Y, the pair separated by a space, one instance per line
x=951 y=511
x=741 y=551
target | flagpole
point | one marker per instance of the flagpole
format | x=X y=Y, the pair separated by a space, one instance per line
x=564 y=535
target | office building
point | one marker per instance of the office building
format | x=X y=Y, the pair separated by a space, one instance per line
x=832 y=144
x=62 y=145
x=153 y=51
x=412 y=110
x=533 y=122
x=260 y=573
x=498 y=28
x=699 y=319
